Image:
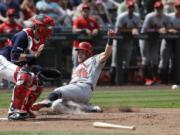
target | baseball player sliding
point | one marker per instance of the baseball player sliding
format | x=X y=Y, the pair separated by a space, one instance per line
x=22 y=50
x=84 y=77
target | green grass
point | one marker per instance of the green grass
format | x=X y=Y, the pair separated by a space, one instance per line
x=136 y=98
x=156 y=98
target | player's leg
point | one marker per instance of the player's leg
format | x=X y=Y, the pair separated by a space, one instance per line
x=120 y=63
x=64 y=107
x=34 y=92
x=7 y=69
x=165 y=54
x=128 y=48
x=155 y=53
x=145 y=55
x=74 y=92
x=24 y=80
x=113 y=62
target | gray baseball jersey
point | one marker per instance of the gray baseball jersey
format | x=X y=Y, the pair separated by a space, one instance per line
x=150 y=48
x=154 y=21
x=166 y=50
x=127 y=45
x=84 y=80
x=124 y=21
x=174 y=21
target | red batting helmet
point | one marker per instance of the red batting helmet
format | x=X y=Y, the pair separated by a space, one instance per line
x=44 y=23
x=86 y=46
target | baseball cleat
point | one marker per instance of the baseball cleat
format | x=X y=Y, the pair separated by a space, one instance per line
x=37 y=106
x=149 y=82
x=96 y=109
x=17 y=116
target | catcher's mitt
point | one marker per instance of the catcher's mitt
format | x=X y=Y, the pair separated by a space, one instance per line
x=49 y=74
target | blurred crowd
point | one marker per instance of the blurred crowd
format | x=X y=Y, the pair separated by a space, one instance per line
x=125 y=16
x=65 y=11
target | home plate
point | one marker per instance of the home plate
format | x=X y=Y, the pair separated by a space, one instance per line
x=3 y=119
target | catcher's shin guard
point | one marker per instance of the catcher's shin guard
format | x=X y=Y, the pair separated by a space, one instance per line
x=24 y=80
x=18 y=98
x=31 y=97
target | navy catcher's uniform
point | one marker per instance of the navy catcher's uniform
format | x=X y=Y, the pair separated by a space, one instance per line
x=26 y=47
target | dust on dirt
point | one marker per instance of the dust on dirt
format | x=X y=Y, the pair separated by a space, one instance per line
x=148 y=121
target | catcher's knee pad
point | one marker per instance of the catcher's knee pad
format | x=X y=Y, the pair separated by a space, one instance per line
x=24 y=77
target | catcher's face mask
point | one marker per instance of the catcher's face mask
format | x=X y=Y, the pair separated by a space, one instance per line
x=44 y=25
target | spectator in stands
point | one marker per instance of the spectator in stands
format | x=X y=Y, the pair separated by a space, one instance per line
x=68 y=8
x=122 y=7
x=10 y=25
x=84 y=24
x=4 y=6
x=168 y=6
x=79 y=7
x=66 y=4
x=168 y=48
x=75 y=2
x=28 y=9
x=149 y=5
x=155 y=23
x=127 y=24
x=109 y=4
x=55 y=1
x=52 y=9
x=101 y=11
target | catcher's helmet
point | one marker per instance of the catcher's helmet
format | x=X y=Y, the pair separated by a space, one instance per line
x=44 y=23
x=86 y=46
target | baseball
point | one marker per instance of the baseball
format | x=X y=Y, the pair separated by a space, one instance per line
x=174 y=87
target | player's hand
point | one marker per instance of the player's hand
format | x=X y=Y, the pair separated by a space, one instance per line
x=94 y=32
x=162 y=30
x=135 y=32
x=40 y=49
x=174 y=31
x=111 y=33
x=88 y=32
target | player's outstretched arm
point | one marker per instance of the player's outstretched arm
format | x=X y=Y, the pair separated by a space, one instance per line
x=108 y=50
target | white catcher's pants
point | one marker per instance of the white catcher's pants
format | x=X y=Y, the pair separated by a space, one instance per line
x=7 y=69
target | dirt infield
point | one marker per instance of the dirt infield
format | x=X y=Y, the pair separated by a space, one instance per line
x=147 y=121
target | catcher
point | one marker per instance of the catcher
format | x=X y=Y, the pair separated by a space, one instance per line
x=84 y=78
x=15 y=62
